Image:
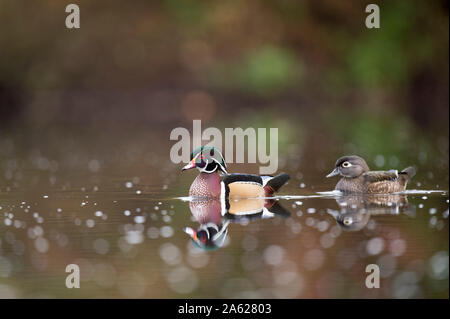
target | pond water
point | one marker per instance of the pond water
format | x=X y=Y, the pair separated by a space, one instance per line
x=129 y=234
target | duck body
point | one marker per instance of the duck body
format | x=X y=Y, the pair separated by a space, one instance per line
x=355 y=210
x=374 y=182
x=238 y=186
x=214 y=216
x=206 y=186
x=235 y=186
x=357 y=177
x=210 y=184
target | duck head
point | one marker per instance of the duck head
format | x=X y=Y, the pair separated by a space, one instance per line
x=351 y=219
x=208 y=236
x=215 y=216
x=206 y=159
x=353 y=214
x=349 y=166
x=355 y=211
x=212 y=232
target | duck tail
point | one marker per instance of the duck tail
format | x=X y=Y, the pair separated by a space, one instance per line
x=406 y=174
x=273 y=184
x=409 y=172
x=278 y=210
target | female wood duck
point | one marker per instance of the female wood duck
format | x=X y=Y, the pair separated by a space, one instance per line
x=357 y=209
x=209 y=184
x=357 y=177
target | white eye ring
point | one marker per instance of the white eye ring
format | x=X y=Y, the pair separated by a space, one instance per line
x=347 y=221
x=346 y=164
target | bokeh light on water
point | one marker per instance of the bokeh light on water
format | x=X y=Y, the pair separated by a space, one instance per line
x=132 y=245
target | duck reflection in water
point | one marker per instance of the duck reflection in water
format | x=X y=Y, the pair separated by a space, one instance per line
x=356 y=209
x=214 y=217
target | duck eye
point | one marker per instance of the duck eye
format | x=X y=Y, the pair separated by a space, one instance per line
x=347 y=221
x=346 y=164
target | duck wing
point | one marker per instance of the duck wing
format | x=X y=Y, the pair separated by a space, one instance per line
x=246 y=178
x=380 y=176
x=242 y=186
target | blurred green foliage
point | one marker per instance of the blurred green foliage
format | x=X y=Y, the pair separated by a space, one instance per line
x=387 y=87
x=257 y=47
x=380 y=58
x=268 y=70
x=289 y=132
x=371 y=133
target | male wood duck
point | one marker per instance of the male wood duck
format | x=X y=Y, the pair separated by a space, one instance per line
x=211 y=233
x=209 y=184
x=214 y=217
x=358 y=178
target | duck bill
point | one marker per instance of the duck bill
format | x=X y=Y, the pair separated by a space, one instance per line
x=333 y=213
x=333 y=173
x=190 y=165
x=191 y=232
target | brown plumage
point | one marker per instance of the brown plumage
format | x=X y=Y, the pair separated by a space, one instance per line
x=357 y=209
x=357 y=177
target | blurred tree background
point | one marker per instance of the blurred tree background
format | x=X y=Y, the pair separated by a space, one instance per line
x=156 y=64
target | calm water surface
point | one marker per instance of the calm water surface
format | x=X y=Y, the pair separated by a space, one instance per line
x=128 y=236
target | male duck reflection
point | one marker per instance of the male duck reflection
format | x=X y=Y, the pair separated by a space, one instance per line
x=357 y=177
x=356 y=209
x=214 y=218
x=209 y=184
x=211 y=233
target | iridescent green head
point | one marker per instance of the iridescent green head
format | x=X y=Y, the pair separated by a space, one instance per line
x=208 y=236
x=207 y=159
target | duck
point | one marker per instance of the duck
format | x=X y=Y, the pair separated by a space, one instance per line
x=212 y=231
x=214 y=181
x=214 y=218
x=358 y=178
x=355 y=210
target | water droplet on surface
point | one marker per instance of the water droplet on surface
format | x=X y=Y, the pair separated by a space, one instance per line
x=375 y=246
x=273 y=255
x=41 y=244
x=166 y=231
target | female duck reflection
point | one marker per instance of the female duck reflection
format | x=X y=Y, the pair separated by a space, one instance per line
x=214 y=216
x=356 y=209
